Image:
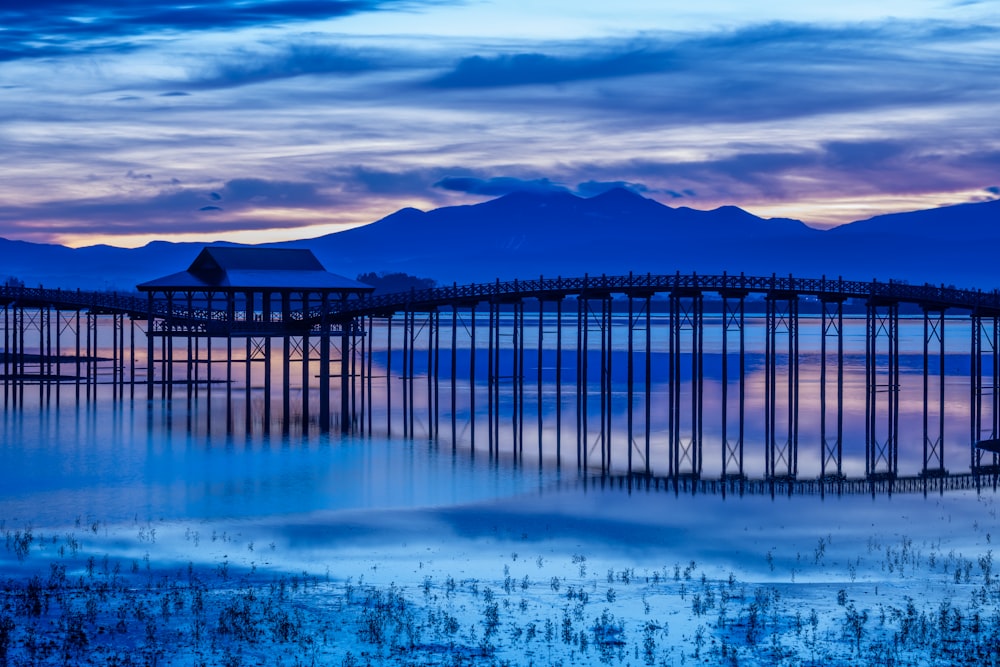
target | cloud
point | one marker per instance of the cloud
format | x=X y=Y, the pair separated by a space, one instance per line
x=359 y=178
x=523 y=69
x=781 y=45
x=173 y=209
x=764 y=72
x=497 y=186
x=289 y=61
x=52 y=27
x=833 y=168
x=761 y=113
x=262 y=192
x=594 y=188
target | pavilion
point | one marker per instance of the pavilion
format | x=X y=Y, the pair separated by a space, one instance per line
x=238 y=291
x=256 y=294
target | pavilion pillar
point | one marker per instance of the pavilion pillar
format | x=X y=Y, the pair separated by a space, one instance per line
x=346 y=334
x=305 y=360
x=266 y=346
x=149 y=347
x=286 y=356
x=324 y=364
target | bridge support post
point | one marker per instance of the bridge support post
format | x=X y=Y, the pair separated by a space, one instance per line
x=45 y=352
x=167 y=352
x=832 y=449
x=984 y=414
x=364 y=375
x=79 y=359
x=91 y=340
x=472 y=378
x=933 y=440
x=648 y=379
x=349 y=374
x=582 y=379
x=686 y=315
x=7 y=355
x=603 y=329
x=517 y=379
x=388 y=375
x=305 y=344
x=606 y=377
x=490 y=374
x=190 y=359
x=248 y=382
x=324 y=365
x=411 y=372
x=559 y=378
x=149 y=349
x=131 y=345
x=539 y=361
x=370 y=349
x=782 y=318
x=266 y=350
x=286 y=363
x=630 y=382
x=638 y=321
x=453 y=371
x=733 y=320
x=882 y=386
x=405 y=371
x=119 y=324
x=209 y=331
x=434 y=371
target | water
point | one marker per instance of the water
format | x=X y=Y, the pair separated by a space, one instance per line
x=204 y=479
x=118 y=461
x=218 y=451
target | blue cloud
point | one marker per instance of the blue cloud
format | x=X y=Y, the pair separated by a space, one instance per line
x=538 y=68
x=52 y=27
x=175 y=209
x=248 y=67
x=764 y=72
x=593 y=188
x=497 y=186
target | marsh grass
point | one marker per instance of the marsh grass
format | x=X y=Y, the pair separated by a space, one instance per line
x=72 y=597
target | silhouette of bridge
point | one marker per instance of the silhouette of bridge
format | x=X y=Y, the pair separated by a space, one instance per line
x=609 y=371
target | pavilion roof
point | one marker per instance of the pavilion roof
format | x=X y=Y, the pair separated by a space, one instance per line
x=233 y=269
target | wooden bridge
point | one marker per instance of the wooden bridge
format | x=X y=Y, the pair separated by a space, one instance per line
x=608 y=371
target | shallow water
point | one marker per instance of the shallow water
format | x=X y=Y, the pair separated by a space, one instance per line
x=196 y=481
x=118 y=462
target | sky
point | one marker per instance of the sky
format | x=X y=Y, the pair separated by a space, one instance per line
x=122 y=122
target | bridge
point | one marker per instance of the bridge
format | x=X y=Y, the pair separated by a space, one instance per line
x=609 y=373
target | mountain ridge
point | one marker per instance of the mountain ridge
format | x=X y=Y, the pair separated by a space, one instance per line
x=526 y=234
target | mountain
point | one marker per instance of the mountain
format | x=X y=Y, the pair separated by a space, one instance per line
x=527 y=234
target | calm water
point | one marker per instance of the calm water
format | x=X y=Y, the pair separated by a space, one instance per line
x=211 y=452
x=121 y=461
x=221 y=479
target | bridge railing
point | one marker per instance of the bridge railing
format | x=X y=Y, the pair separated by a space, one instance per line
x=934 y=297
x=110 y=301
x=929 y=296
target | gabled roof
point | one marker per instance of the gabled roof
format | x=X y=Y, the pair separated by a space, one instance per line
x=230 y=269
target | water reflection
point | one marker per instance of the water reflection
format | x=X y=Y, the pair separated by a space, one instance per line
x=126 y=461
x=540 y=408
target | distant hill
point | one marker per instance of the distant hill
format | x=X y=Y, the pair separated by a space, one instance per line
x=530 y=234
